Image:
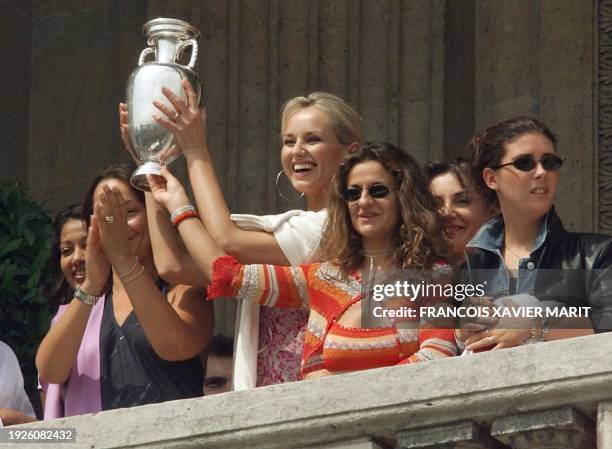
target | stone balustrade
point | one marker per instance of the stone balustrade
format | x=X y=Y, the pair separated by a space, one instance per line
x=543 y=396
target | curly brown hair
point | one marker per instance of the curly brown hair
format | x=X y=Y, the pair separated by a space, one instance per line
x=419 y=237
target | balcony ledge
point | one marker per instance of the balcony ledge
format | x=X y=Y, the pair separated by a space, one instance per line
x=373 y=404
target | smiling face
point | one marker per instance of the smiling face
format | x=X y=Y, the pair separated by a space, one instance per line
x=311 y=152
x=138 y=231
x=72 y=246
x=528 y=194
x=464 y=209
x=375 y=219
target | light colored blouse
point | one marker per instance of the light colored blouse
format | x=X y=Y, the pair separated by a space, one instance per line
x=80 y=394
x=12 y=393
x=269 y=342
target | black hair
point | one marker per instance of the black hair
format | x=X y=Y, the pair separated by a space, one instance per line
x=487 y=148
x=221 y=346
x=60 y=292
x=458 y=167
x=123 y=172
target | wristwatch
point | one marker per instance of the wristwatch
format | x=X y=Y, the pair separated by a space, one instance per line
x=85 y=297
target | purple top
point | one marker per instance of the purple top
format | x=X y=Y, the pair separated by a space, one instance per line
x=81 y=393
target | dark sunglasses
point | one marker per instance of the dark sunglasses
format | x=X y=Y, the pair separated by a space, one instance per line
x=353 y=193
x=550 y=162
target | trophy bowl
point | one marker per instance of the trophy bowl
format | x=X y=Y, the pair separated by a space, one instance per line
x=152 y=144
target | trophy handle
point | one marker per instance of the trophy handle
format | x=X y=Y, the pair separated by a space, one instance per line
x=143 y=54
x=194 y=52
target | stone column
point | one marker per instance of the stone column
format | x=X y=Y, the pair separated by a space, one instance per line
x=604 y=117
x=551 y=429
x=82 y=55
x=537 y=58
x=15 y=43
x=420 y=84
x=604 y=425
x=447 y=436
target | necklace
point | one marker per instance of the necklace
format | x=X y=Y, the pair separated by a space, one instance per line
x=382 y=252
x=374 y=254
x=510 y=249
x=372 y=272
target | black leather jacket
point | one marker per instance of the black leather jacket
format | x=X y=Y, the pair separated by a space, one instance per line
x=572 y=268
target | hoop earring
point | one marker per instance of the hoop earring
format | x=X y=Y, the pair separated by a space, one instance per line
x=278 y=176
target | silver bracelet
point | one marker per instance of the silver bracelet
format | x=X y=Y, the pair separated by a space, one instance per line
x=121 y=276
x=85 y=297
x=180 y=210
x=137 y=274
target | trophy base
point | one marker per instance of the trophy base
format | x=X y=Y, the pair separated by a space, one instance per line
x=139 y=177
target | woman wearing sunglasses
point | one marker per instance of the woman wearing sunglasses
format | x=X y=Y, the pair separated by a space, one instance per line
x=515 y=167
x=381 y=218
x=317 y=131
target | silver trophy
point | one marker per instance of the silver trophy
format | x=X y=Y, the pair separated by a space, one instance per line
x=170 y=41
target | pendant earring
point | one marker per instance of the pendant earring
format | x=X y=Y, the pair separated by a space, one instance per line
x=278 y=190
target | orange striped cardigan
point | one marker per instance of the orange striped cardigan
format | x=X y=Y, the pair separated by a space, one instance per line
x=321 y=288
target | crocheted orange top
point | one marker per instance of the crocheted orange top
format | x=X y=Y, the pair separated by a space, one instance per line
x=329 y=345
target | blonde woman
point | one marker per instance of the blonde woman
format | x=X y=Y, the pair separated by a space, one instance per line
x=382 y=221
x=317 y=131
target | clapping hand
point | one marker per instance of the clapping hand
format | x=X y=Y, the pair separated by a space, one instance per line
x=111 y=218
x=96 y=263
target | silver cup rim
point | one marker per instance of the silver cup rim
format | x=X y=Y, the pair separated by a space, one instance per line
x=164 y=25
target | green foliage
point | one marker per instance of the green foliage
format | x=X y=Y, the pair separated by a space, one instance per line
x=25 y=245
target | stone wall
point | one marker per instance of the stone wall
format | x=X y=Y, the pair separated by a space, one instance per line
x=425 y=74
x=538 y=58
x=15 y=37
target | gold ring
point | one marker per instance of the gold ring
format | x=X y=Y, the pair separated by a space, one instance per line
x=176 y=116
x=109 y=219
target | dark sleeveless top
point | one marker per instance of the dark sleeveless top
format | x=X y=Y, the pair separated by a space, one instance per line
x=132 y=374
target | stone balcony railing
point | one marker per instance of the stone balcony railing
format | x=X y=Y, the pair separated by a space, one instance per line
x=544 y=396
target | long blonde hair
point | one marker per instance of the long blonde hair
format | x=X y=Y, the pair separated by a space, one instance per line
x=345 y=122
